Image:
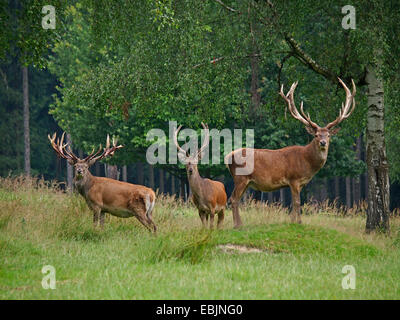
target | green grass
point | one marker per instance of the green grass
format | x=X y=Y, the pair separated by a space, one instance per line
x=41 y=226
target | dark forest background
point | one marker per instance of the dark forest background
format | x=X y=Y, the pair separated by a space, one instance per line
x=124 y=67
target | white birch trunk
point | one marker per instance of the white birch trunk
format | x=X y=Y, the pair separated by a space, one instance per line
x=377 y=165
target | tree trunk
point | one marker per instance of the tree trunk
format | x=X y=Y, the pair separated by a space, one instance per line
x=27 y=144
x=357 y=180
x=140 y=173
x=151 y=177
x=337 y=189
x=172 y=184
x=270 y=197
x=112 y=171
x=377 y=165
x=282 y=196
x=324 y=189
x=254 y=64
x=97 y=169
x=348 y=192
x=70 y=172
x=366 y=184
x=161 y=180
x=124 y=173
x=182 y=188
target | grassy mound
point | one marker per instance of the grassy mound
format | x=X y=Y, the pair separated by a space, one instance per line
x=40 y=225
x=298 y=240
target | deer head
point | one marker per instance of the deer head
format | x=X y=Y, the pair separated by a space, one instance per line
x=321 y=134
x=81 y=166
x=191 y=161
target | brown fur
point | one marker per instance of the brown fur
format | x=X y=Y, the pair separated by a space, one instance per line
x=103 y=195
x=292 y=166
x=208 y=196
x=118 y=198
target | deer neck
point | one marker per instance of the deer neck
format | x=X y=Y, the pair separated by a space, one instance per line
x=195 y=181
x=83 y=185
x=315 y=155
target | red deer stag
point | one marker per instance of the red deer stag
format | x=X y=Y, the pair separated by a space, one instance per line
x=103 y=195
x=209 y=196
x=292 y=166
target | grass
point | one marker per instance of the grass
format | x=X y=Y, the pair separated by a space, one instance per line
x=40 y=225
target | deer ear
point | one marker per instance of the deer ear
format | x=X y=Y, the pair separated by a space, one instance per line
x=334 y=131
x=311 y=130
x=71 y=162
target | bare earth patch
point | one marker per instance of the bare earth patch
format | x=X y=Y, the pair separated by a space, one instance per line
x=234 y=248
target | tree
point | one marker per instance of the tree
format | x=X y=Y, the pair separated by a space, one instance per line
x=27 y=143
x=357 y=55
x=23 y=36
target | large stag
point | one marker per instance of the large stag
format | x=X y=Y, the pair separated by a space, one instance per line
x=292 y=166
x=209 y=196
x=103 y=195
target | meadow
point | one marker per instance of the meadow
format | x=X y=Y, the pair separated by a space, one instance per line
x=269 y=258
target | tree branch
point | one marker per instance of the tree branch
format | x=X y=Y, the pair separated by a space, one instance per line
x=299 y=53
x=227 y=8
x=213 y=61
x=304 y=58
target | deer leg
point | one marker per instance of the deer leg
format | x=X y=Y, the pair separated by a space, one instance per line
x=212 y=213
x=151 y=223
x=143 y=221
x=203 y=218
x=296 y=205
x=96 y=214
x=150 y=220
x=235 y=198
x=220 y=222
x=102 y=215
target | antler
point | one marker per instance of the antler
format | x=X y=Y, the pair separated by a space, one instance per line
x=289 y=98
x=59 y=148
x=107 y=151
x=175 y=138
x=200 y=151
x=205 y=142
x=345 y=111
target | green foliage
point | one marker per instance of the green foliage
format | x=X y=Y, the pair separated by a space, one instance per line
x=126 y=69
x=22 y=33
x=126 y=83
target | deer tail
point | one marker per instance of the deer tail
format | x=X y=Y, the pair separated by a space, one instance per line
x=150 y=202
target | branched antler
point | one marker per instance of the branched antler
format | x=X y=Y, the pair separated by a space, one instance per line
x=289 y=98
x=203 y=147
x=107 y=151
x=345 y=111
x=61 y=149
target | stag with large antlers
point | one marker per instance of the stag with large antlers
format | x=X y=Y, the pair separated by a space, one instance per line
x=209 y=196
x=292 y=166
x=103 y=195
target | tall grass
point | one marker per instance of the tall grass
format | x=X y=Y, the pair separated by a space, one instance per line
x=41 y=224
